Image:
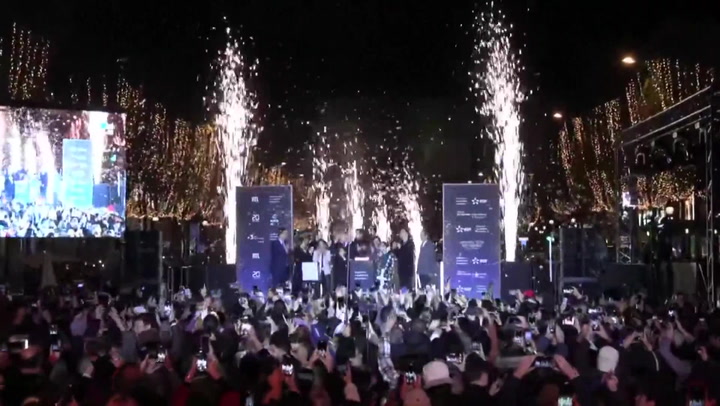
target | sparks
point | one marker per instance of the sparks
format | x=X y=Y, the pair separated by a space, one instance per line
x=237 y=133
x=321 y=187
x=497 y=81
x=355 y=197
x=408 y=196
x=380 y=218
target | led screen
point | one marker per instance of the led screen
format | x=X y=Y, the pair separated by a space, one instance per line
x=63 y=173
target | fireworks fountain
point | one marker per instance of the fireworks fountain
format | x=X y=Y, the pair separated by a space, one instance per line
x=355 y=196
x=237 y=133
x=321 y=188
x=497 y=83
x=380 y=218
x=408 y=197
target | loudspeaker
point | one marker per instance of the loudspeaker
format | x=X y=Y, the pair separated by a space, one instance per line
x=143 y=257
x=514 y=276
x=583 y=253
x=220 y=276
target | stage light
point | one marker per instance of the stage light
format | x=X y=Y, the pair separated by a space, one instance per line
x=669 y=210
x=205 y=223
x=155 y=219
x=629 y=60
x=557 y=115
x=551 y=222
x=572 y=220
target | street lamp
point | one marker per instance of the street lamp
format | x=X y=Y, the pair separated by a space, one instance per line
x=550 y=239
x=628 y=60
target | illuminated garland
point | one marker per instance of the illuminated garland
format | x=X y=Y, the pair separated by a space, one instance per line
x=587 y=143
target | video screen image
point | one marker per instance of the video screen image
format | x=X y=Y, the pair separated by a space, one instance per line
x=62 y=173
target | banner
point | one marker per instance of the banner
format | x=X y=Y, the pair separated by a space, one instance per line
x=261 y=212
x=471 y=238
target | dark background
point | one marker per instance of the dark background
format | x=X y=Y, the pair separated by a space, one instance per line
x=399 y=67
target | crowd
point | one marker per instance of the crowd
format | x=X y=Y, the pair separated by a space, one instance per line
x=38 y=220
x=378 y=347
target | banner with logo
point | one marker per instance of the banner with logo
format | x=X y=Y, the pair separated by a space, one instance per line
x=471 y=238
x=261 y=212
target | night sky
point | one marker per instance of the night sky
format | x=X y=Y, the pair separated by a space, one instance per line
x=406 y=60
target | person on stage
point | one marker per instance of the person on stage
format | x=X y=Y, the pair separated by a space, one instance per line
x=280 y=258
x=387 y=274
x=406 y=260
x=323 y=259
x=428 y=268
x=340 y=268
x=360 y=247
x=301 y=253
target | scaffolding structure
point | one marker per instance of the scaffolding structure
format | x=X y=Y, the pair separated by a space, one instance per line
x=695 y=123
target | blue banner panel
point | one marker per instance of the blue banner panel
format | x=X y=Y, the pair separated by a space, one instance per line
x=471 y=237
x=261 y=212
x=77 y=167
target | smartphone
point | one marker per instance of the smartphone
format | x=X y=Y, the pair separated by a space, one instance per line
x=410 y=377
x=528 y=336
x=201 y=363
x=161 y=356
x=455 y=358
x=595 y=325
x=565 y=401
x=288 y=368
x=569 y=321
x=54 y=339
x=519 y=338
x=322 y=348
x=543 y=362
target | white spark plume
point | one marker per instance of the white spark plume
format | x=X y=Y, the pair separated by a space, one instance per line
x=321 y=187
x=237 y=132
x=408 y=196
x=380 y=219
x=497 y=82
x=355 y=197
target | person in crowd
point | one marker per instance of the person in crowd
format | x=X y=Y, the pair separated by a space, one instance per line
x=280 y=258
x=406 y=260
x=428 y=267
x=385 y=347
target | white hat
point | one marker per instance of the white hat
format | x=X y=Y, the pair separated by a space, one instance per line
x=607 y=359
x=436 y=373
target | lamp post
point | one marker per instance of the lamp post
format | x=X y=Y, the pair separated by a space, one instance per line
x=550 y=239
